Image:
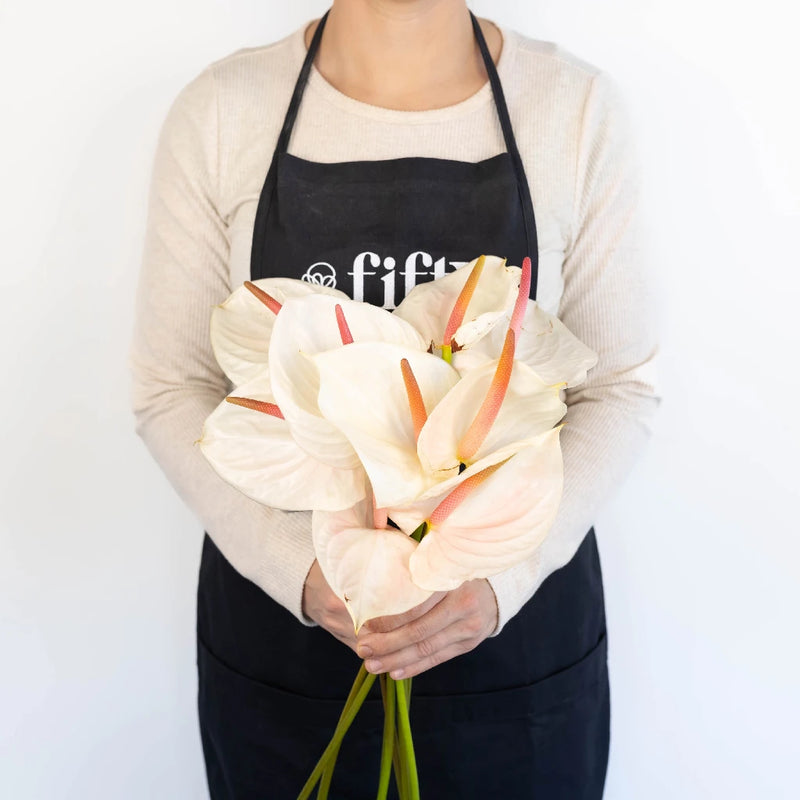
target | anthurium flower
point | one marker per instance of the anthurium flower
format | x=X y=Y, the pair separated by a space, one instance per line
x=241 y=326
x=429 y=306
x=491 y=520
x=363 y=391
x=310 y=325
x=249 y=444
x=527 y=408
x=545 y=344
x=365 y=566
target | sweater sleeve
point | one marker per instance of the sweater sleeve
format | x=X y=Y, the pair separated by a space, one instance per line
x=176 y=381
x=607 y=303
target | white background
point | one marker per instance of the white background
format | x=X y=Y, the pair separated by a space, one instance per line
x=699 y=547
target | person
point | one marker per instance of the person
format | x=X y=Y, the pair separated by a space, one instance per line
x=405 y=141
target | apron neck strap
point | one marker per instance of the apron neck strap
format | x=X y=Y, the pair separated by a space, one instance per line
x=302 y=79
x=299 y=87
x=513 y=152
x=502 y=112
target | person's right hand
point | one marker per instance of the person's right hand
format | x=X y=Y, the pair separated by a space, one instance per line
x=326 y=609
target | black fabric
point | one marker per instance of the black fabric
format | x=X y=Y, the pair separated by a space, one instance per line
x=525 y=714
x=368 y=224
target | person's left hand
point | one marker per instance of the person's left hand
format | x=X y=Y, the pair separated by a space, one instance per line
x=406 y=644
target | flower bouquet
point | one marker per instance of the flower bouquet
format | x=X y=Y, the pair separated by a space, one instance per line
x=424 y=440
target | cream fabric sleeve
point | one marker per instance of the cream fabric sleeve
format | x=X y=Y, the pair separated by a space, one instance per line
x=607 y=303
x=176 y=379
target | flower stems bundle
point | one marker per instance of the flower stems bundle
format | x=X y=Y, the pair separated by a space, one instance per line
x=397 y=750
x=425 y=441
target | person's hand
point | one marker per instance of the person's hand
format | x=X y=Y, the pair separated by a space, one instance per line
x=325 y=608
x=443 y=627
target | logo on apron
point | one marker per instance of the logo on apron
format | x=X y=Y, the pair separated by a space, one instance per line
x=322 y=273
x=367 y=265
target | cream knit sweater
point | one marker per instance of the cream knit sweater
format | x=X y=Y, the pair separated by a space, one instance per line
x=212 y=156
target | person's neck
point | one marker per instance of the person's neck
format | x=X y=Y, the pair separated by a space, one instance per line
x=410 y=55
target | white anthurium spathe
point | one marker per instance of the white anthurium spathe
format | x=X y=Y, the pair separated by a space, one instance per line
x=241 y=326
x=252 y=448
x=471 y=332
x=545 y=344
x=490 y=522
x=363 y=392
x=305 y=327
x=429 y=306
x=489 y=416
x=365 y=566
x=528 y=408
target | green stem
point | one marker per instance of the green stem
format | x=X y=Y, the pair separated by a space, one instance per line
x=387 y=750
x=358 y=693
x=397 y=762
x=330 y=765
x=406 y=743
x=327 y=774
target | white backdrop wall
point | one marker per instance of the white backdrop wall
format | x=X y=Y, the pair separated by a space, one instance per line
x=699 y=547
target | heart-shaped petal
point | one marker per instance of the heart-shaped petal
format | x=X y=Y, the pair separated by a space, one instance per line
x=241 y=326
x=549 y=348
x=545 y=344
x=498 y=524
x=256 y=453
x=362 y=391
x=428 y=305
x=367 y=568
x=305 y=327
x=529 y=408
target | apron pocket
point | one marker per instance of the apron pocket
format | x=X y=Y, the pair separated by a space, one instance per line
x=547 y=740
x=262 y=742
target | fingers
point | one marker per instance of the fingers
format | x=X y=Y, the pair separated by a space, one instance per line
x=413 y=659
x=413 y=632
x=337 y=621
x=322 y=606
x=389 y=623
x=455 y=624
x=332 y=615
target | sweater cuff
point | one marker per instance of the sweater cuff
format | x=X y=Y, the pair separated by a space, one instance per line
x=285 y=584
x=302 y=617
x=513 y=588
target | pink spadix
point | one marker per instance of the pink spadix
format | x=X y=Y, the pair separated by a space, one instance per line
x=419 y=414
x=459 y=494
x=490 y=407
x=344 y=328
x=460 y=306
x=268 y=300
x=522 y=297
x=256 y=405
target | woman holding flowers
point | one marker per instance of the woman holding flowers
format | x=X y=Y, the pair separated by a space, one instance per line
x=398 y=146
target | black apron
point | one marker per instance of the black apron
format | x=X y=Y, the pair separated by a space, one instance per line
x=526 y=713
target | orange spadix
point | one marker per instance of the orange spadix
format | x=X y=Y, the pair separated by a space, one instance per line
x=490 y=407
x=256 y=405
x=268 y=300
x=459 y=494
x=419 y=415
x=344 y=328
x=460 y=306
